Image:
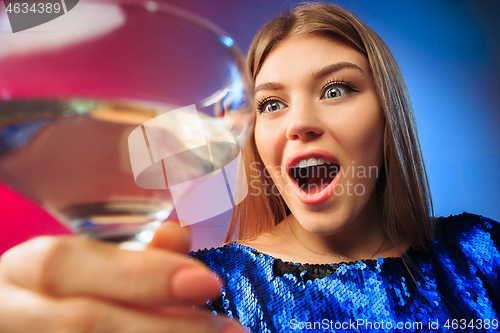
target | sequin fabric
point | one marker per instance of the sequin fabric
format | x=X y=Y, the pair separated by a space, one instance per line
x=456 y=288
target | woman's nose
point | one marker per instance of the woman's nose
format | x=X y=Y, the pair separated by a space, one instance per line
x=303 y=123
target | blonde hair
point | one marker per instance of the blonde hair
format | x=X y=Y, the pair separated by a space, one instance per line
x=402 y=189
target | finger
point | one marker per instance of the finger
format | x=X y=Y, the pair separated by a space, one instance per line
x=171 y=236
x=64 y=266
x=26 y=311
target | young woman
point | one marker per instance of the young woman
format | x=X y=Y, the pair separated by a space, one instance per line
x=336 y=232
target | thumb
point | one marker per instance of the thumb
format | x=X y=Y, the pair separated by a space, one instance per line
x=171 y=236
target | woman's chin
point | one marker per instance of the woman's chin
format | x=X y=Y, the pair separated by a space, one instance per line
x=321 y=223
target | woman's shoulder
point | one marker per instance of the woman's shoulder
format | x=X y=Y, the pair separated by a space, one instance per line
x=469 y=238
x=224 y=249
x=227 y=257
x=467 y=224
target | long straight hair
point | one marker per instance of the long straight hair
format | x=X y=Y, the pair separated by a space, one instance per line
x=402 y=189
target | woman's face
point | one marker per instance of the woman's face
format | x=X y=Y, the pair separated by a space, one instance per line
x=319 y=131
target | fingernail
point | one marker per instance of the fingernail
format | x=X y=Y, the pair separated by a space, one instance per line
x=234 y=329
x=194 y=284
x=223 y=325
x=171 y=223
x=175 y=224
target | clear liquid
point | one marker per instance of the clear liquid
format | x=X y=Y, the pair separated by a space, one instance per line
x=72 y=158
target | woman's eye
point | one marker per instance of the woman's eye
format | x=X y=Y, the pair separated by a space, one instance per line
x=334 y=92
x=273 y=106
x=270 y=107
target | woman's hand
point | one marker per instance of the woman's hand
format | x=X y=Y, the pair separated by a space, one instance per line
x=76 y=285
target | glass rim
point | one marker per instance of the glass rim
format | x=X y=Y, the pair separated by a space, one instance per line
x=191 y=18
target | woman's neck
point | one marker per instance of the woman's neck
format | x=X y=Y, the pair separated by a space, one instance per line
x=357 y=240
x=363 y=238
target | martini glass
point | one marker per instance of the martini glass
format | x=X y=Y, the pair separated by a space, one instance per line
x=111 y=111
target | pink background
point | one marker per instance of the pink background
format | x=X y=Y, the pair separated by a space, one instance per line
x=22 y=220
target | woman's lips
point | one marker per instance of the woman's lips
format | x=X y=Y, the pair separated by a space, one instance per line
x=316 y=153
x=317 y=197
x=322 y=192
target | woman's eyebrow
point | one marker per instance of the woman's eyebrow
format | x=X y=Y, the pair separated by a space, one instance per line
x=335 y=67
x=269 y=86
x=318 y=75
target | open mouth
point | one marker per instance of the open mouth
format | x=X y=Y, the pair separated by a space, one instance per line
x=314 y=178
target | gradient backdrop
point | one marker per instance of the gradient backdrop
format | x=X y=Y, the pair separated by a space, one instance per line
x=449 y=53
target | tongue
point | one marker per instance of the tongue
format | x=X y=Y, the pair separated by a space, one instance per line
x=319 y=178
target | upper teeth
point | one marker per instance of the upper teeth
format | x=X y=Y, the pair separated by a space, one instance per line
x=310 y=162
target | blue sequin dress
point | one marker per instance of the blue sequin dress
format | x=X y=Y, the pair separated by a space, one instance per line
x=457 y=289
